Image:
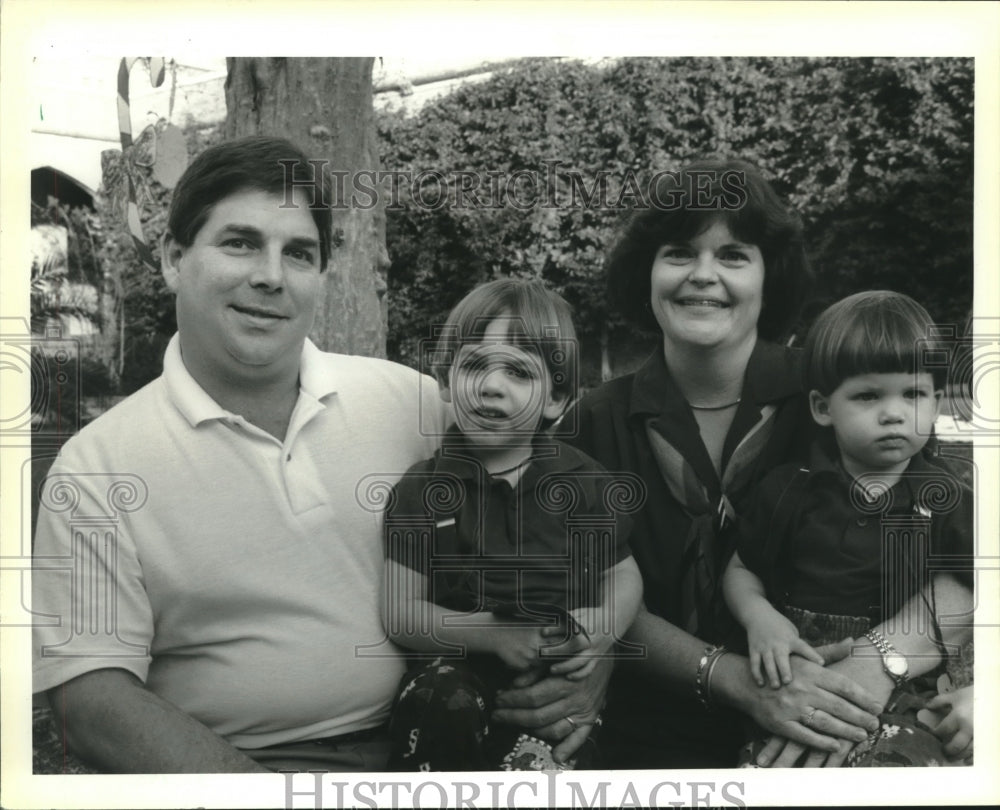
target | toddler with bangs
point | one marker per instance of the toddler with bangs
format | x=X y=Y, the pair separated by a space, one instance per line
x=506 y=553
x=836 y=549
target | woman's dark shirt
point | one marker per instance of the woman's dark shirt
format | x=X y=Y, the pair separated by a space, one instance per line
x=611 y=424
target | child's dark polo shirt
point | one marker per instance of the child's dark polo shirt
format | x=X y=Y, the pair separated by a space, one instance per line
x=816 y=549
x=487 y=545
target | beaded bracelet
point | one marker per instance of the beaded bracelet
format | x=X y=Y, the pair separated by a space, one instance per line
x=705 y=666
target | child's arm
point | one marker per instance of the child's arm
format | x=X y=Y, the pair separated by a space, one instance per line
x=955 y=729
x=604 y=624
x=771 y=638
x=414 y=622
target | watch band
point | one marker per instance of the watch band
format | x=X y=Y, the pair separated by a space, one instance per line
x=893 y=662
x=876 y=638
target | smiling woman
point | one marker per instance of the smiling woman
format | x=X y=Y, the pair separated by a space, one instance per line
x=717 y=275
x=707 y=290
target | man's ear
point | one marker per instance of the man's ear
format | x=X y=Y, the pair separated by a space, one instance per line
x=555 y=405
x=171 y=252
x=819 y=406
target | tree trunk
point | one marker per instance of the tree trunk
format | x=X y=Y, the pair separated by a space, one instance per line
x=324 y=106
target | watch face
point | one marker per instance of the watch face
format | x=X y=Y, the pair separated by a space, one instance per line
x=896 y=664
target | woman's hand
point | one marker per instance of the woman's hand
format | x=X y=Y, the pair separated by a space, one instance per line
x=955 y=729
x=555 y=708
x=787 y=748
x=819 y=709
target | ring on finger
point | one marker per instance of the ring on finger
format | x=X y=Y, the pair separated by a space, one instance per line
x=572 y=722
x=807 y=717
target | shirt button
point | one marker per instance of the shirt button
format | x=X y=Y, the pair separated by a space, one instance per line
x=288 y=457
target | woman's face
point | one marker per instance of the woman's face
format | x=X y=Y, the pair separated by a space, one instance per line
x=707 y=291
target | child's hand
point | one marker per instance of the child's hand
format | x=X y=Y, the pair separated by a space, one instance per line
x=772 y=639
x=955 y=730
x=585 y=646
x=518 y=646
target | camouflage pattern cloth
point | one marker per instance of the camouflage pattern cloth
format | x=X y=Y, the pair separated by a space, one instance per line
x=441 y=722
x=901 y=740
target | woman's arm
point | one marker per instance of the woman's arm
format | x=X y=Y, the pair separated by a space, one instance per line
x=604 y=624
x=909 y=631
x=673 y=656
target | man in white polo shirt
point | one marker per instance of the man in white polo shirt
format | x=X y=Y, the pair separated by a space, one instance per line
x=208 y=553
x=207 y=562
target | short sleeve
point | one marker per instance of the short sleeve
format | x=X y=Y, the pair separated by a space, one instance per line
x=407 y=527
x=753 y=530
x=90 y=607
x=615 y=496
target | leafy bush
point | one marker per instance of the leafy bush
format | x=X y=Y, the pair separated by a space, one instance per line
x=876 y=154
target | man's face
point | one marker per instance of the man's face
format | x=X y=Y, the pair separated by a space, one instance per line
x=246 y=287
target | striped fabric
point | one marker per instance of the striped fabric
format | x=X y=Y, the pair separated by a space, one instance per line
x=710 y=513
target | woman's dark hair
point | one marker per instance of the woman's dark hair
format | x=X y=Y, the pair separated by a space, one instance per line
x=261 y=163
x=874 y=332
x=681 y=205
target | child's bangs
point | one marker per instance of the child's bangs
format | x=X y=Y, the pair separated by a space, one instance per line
x=891 y=344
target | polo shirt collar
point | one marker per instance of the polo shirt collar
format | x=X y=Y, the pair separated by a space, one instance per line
x=197 y=406
x=455 y=457
x=824 y=459
x=314 y=379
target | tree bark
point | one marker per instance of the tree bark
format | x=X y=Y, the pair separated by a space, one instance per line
x=324 y=106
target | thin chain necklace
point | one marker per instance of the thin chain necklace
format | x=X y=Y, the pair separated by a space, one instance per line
x=511 y=469
x=732 y=404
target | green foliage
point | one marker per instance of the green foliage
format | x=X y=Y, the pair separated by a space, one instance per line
x=59 y=282
x=143 y=308
x=876 y=154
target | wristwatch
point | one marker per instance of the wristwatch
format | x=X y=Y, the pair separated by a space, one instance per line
x=893 y=661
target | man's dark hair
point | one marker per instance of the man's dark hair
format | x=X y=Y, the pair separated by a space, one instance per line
x=272 y=165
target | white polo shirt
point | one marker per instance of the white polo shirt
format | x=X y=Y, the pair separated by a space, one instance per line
x=236 y=575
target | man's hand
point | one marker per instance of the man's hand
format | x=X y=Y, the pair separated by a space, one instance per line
x=556 y=709
x=780 y=752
